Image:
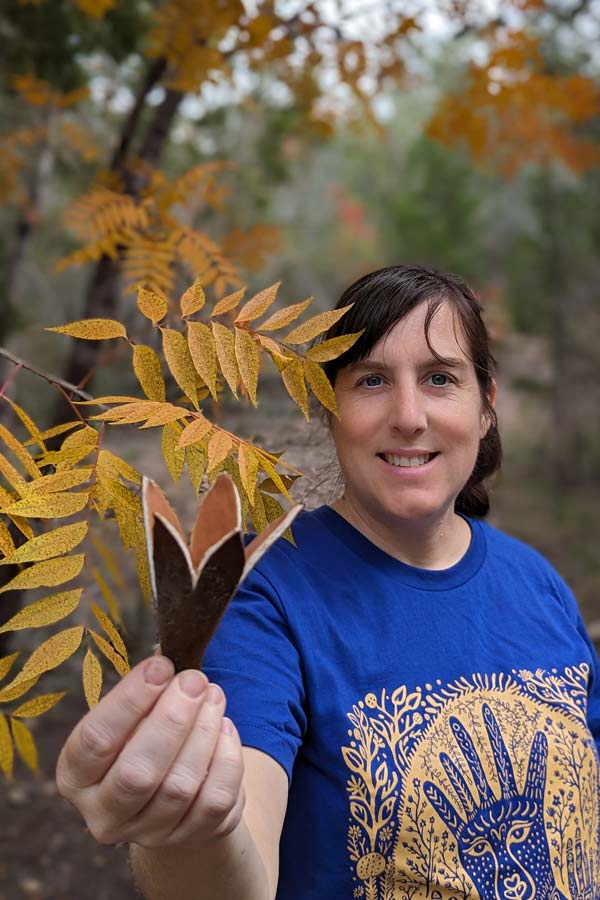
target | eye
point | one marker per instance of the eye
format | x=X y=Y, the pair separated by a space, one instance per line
x=478 y=848
x=439 y=379
x=518 y=832
x=367 y=381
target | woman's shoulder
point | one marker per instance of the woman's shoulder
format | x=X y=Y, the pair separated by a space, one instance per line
x=518 y=554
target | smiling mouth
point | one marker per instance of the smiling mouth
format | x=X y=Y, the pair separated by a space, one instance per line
x=407 y=461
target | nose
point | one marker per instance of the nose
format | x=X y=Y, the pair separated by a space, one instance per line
x=407 y=413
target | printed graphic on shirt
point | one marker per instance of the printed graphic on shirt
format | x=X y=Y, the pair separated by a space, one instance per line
x=485 y=788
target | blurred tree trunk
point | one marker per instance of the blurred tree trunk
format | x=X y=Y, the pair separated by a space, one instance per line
x=556 y=280
x=103 y=291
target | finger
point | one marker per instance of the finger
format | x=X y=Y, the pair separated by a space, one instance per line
x=148 y=755
x=98 y=738
x=187 y=772
x=218 y=807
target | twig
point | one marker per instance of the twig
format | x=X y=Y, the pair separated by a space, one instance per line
x=51 y=379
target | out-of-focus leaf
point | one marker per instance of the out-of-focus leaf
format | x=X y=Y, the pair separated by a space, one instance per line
x=6 y=664
x=6 y=748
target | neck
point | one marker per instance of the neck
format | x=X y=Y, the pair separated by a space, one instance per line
x=424 y=544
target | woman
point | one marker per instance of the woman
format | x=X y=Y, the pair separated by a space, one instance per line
x=412 y=696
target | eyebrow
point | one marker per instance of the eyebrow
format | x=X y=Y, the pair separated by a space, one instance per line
x=450 y=362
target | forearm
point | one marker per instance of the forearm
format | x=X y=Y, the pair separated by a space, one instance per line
x=228 y=867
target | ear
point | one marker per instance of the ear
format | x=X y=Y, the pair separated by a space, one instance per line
x=485 y=419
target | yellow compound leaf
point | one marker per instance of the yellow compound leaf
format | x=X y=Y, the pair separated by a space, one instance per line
x=258 y=513
x=38 y=705
x=92 y=329
x=12 y=476
x=109 y=597
x=111 y=465
x=92 y=679
x=285 y=316
x=218 y=447
x=130 y=412
x=20 y=452
x=120 y=665
x=152 y=305
x=320 y=385
x=28 y=423
x=195 y=431
x=225 y=343
x=44 y=612
x=17 y=688
x=50 y=654
x=315 y=326
x=6 y=748
x=173 y=455
x=59 y=481
x=53 y=543
x=146 y=365
x=180 y=363
x=248 y=468
x=111 y=631
x=193 y=299
x=25 y=744
x=274 y=477
x=7 y=545
x=248 y=359
x=195 y=455
x=6 y=664
x=54 y=432
x=167 y=413
x=293 y=378
x=49 y=506
x=258 y=304
x=332 y=348
x=84 y=437
x=204 y=354
x=23 y=526
x=228 y=303
x=46 y=574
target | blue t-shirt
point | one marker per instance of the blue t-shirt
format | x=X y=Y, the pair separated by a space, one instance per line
x=437 y=727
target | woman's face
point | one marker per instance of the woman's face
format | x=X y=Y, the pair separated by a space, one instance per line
x=410 y=426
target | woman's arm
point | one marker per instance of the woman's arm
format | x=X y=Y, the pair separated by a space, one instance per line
x=157 y=765
x=242 y=865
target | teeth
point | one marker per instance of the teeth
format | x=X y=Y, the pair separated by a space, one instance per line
x=406 y=461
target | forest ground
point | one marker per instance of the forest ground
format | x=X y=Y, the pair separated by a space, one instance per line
x=46 y=852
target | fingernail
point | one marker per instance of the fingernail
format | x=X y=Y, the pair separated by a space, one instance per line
x=215 y=694
x=158 y=670
x=227 y=725
x=192 y=683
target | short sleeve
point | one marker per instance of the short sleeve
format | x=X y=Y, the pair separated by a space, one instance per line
x=593 y=708
x=253 y=658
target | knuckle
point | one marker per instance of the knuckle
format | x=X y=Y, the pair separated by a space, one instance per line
x=134 y=778
x=102 y=833
x=94 y=741
x=179 y=787
x=220 y=801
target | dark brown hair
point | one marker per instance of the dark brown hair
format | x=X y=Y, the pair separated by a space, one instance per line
x=380 y=300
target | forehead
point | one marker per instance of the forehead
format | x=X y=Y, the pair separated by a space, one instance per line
x=409 y=336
